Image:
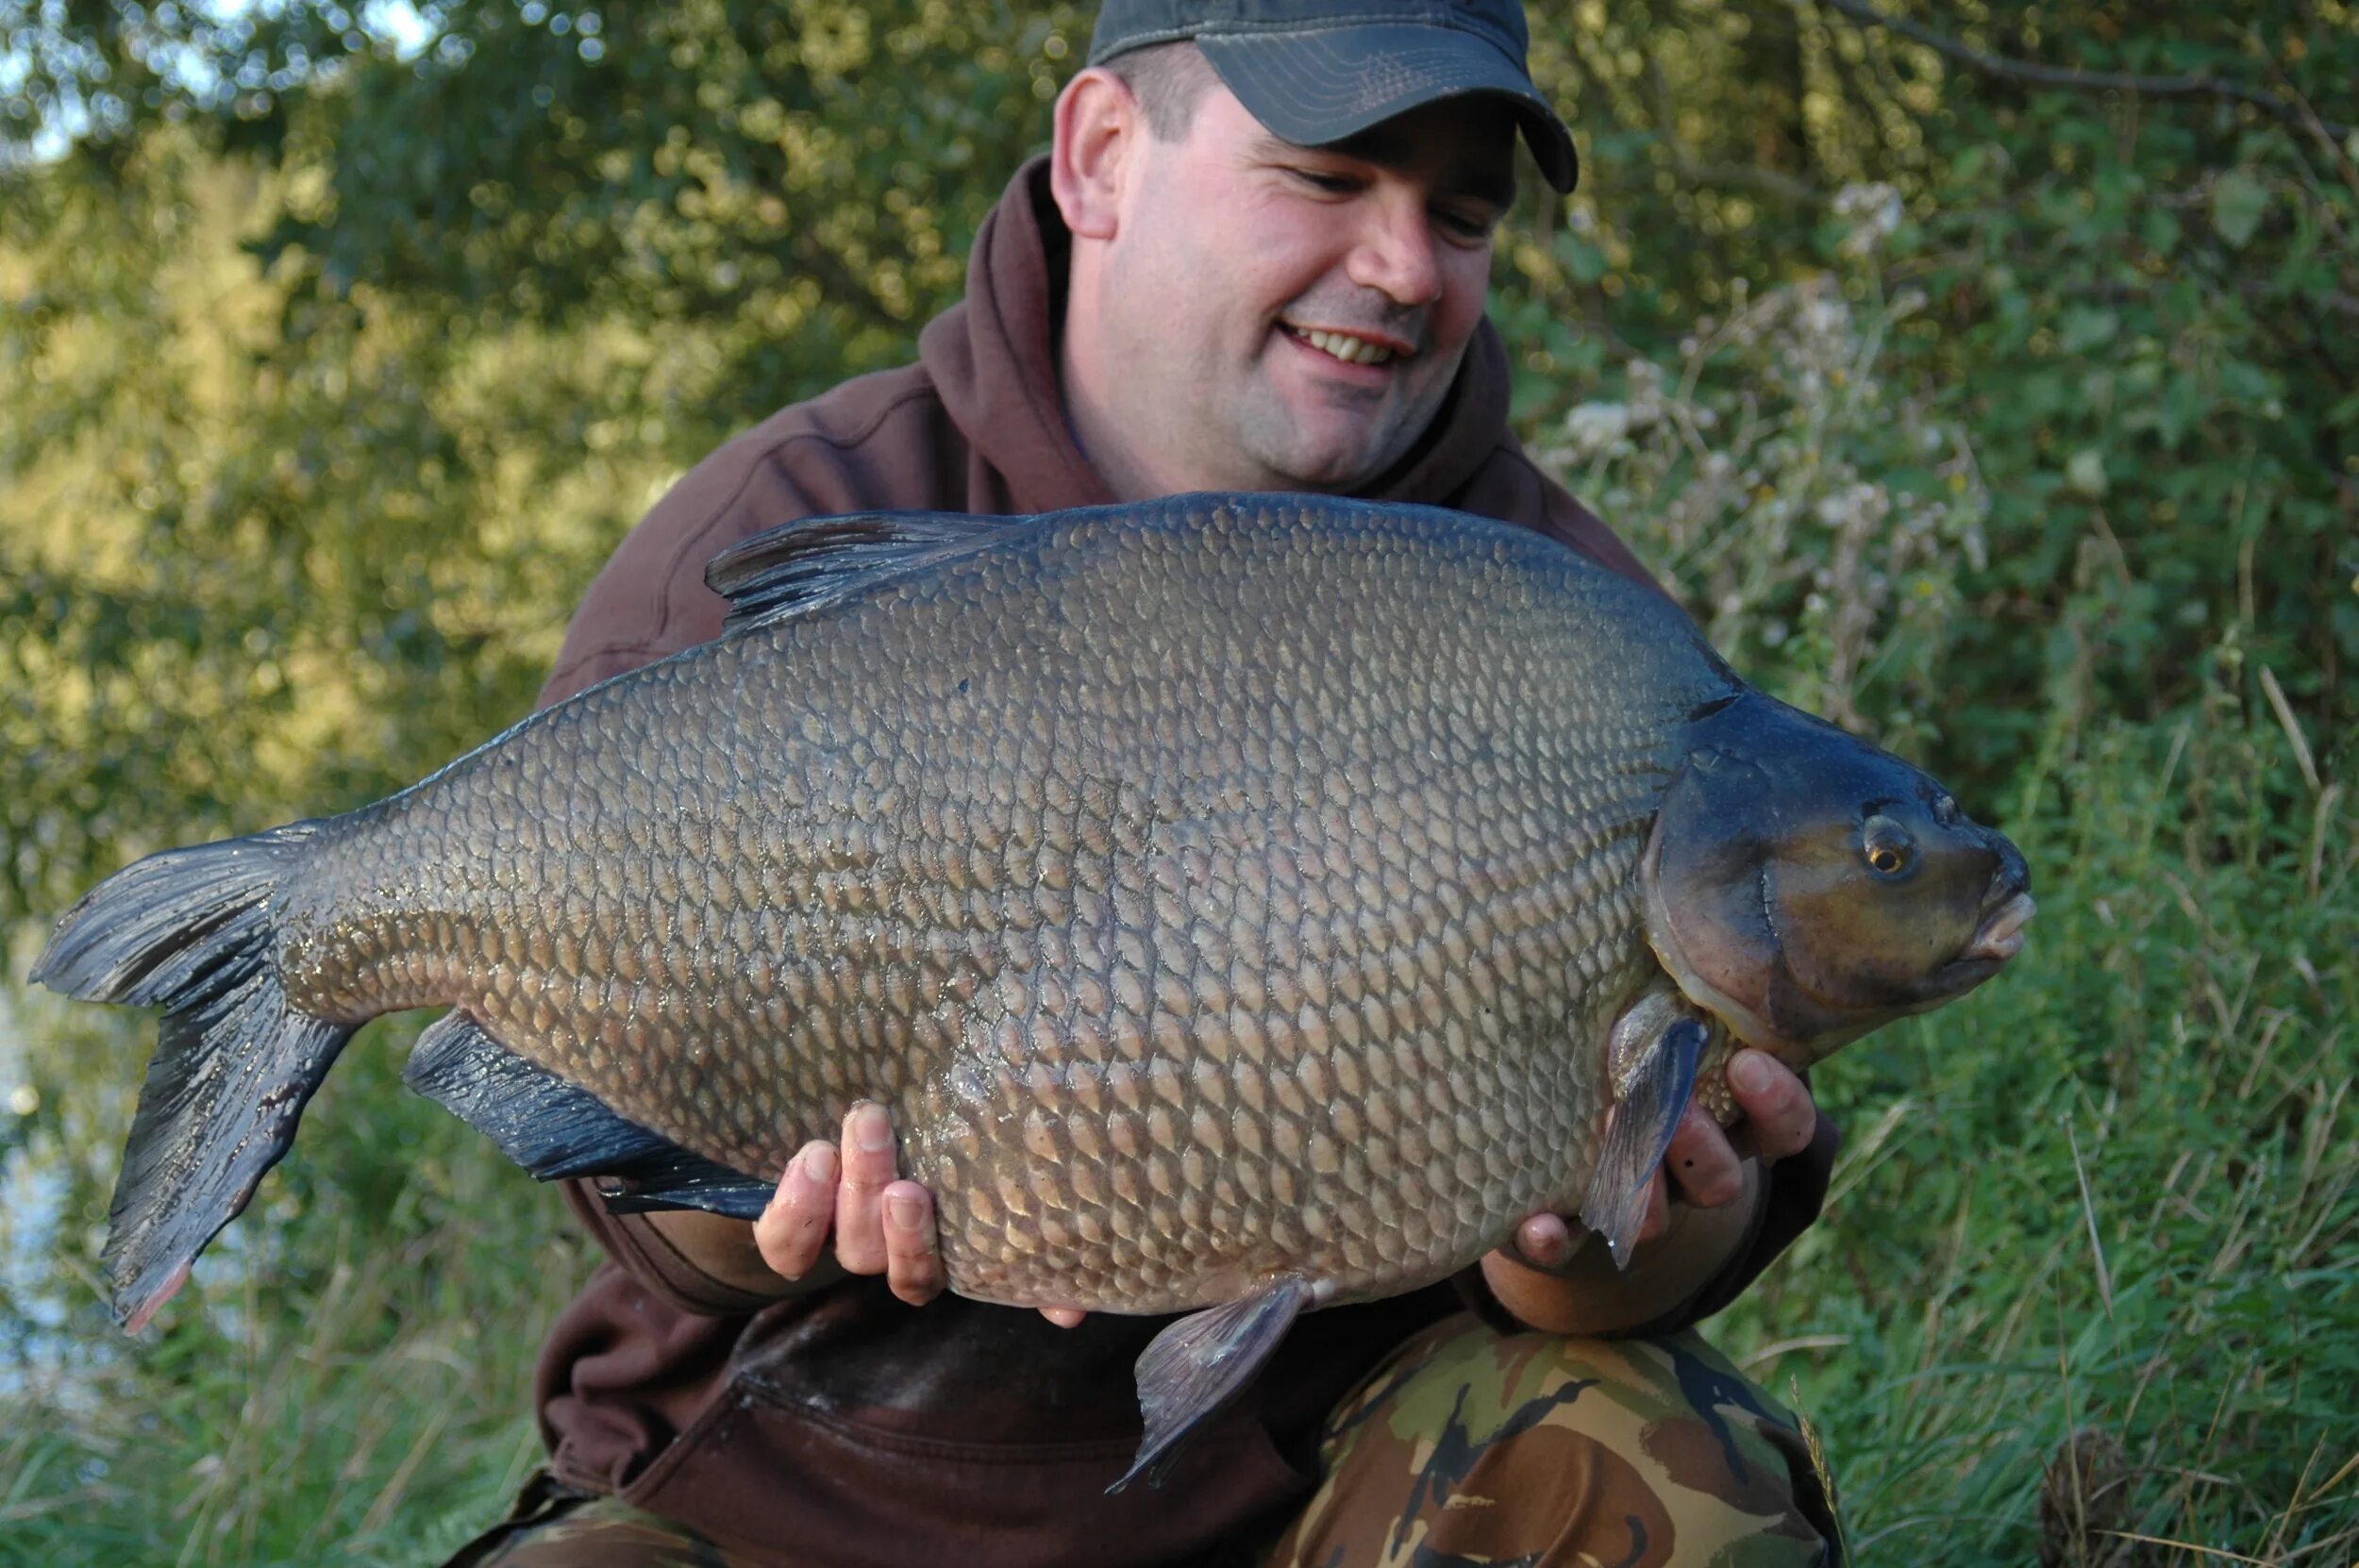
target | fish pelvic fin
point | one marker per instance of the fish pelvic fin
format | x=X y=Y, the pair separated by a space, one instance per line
x=1199 y=1363
x=190 y=931
x=1654 y=1060
x=554 y=1130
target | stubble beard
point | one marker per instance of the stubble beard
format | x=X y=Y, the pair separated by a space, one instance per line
x=1391 y=419
x=1275 y=437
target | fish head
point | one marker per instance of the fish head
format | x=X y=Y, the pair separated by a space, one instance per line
x=1807 y=887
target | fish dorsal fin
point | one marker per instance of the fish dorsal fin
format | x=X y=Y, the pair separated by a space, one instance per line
x=799 y=567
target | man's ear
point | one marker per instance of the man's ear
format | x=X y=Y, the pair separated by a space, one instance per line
x=1099 y=128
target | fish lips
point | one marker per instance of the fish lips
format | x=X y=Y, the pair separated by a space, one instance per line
x=2001 y=935
x=1996 y=941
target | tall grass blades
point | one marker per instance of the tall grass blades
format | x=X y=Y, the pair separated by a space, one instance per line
x=2111 y=1203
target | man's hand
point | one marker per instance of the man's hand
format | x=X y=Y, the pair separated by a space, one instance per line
x=882 y=1225
x=1706 y=1170
x=1702 y=1163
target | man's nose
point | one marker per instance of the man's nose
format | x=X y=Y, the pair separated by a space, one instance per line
x=1396 y=253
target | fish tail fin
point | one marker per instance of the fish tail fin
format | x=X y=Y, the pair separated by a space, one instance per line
x=190 y=930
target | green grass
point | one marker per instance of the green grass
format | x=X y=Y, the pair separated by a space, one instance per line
x=346 y=1380
x=2117 y=1190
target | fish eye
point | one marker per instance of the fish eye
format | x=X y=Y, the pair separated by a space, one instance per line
x=1889 y=850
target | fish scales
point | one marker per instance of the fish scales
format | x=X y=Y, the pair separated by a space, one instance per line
x=1206 y=893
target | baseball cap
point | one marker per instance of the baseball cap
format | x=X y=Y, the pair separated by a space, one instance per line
x=1317 y=71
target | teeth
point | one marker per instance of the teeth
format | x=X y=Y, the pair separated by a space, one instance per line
x=1344 y=346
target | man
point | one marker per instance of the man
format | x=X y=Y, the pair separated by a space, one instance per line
x=1256 y=257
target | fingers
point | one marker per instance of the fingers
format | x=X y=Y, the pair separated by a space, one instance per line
x=1657 y=1218
x=794 y=1228
x=1063 y=1317
x=1702 y=1165
x=1549 y=1242
x=1701 y=1161
x=1545 y=1241
x=869 y=1168
x=881 y=1224
x=1775 y=1102
x=912 y=1254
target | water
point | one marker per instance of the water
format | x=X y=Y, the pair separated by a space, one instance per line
x=56 y=1343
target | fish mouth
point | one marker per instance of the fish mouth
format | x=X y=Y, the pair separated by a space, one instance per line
x=2001 y=935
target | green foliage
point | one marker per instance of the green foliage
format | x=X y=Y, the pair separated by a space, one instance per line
x=2015 y=424
x=2142 y=312
x=261 y=551
x=2116 y=1189
x=1821 y=520
x=346 y=1377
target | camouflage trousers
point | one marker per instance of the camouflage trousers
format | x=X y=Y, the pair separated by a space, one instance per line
x=1465 y=1446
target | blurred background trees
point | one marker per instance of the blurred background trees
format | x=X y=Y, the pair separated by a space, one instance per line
x=1984 y=375
x=424 y=303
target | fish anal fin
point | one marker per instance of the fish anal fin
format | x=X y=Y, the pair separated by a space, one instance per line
x=1652 y=1063
x=555 y=1130
x=801 y=566
x=1200 y=1363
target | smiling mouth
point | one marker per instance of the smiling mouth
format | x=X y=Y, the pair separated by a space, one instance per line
x=1346 y=346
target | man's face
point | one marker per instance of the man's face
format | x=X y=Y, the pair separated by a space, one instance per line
x=1289 y=317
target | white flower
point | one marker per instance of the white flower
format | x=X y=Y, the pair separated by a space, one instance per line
x=1875 y=212
x=1595 y=427
x=2085 y=473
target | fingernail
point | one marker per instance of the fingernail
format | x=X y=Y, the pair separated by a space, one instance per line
x=904 y=1212
x=1749 y=1073
x=874 y=1131
x=819 y=1162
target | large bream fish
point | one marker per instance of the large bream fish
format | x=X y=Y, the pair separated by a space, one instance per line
x=1241 y=903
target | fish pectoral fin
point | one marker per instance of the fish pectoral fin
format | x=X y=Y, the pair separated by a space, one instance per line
x=1200 y=1363
x=1638 y=1129
x=554 y=1130
x=799 y=567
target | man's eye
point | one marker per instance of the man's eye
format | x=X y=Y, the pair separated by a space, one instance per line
x=1466 y=225
x=1334 y=185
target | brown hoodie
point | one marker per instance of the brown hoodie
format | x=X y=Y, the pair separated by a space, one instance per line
x=844 y=1426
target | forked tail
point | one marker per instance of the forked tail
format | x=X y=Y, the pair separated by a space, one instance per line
x=190 y=931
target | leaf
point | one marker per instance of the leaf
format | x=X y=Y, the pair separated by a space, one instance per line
x=2238 y=202
x=2084 y=329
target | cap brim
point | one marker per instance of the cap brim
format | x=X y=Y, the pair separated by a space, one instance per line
x=1316 y=87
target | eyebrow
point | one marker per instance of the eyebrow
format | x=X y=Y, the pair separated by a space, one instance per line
x=1388 y=148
